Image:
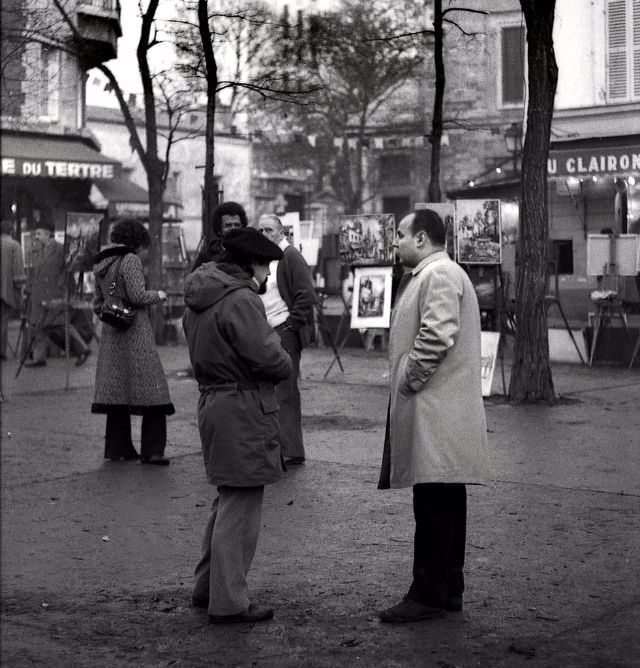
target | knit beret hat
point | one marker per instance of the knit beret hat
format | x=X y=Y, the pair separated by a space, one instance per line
x=249 y=244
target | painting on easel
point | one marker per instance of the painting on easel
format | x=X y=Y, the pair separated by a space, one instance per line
x=478 y=231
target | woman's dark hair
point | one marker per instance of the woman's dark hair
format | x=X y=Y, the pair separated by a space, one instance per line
x=130 y=232
x=426 y=220
x=227 y=209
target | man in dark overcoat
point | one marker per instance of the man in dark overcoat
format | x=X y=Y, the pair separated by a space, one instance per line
x=288 y=302
x=237 y=359
x=45 y=284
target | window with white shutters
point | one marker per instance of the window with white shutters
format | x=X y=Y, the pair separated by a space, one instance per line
x=623 y=50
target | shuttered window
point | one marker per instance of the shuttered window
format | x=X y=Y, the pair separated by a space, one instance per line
x=512 y=73
x=623 y=50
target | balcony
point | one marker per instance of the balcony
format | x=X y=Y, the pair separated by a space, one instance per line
x=98 y=22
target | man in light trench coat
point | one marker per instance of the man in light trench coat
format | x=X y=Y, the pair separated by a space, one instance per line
x=436 y=432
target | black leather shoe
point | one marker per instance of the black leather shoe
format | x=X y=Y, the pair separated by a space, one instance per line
x=410 y=611
x=158 y=460
x=255 y=613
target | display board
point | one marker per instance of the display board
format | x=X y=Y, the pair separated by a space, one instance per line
x=609 y=254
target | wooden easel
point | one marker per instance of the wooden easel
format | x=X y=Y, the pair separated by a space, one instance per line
x=324 y=330
x=609 y=307
x=553 y=299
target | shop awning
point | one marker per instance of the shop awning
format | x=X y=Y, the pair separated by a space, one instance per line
x=122 y=191
x=122 y=197
x=38 y=156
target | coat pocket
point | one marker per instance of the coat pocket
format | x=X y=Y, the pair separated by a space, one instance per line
x=268 y=400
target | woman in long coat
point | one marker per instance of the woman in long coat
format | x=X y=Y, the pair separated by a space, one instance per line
x=130 y=379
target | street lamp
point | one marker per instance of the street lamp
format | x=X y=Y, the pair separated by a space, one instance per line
x=513 y=142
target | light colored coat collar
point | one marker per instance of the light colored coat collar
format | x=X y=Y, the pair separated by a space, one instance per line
x=436 y=255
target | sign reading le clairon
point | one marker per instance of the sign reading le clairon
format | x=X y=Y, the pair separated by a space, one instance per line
x=589 y=162
x=57 y=169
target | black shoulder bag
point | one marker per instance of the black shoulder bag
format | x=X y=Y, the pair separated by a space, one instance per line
x=115 y=310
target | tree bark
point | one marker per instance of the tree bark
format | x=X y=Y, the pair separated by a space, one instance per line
x=531 y=378
x=210 y=189
x=435 y=138
x=154 y=167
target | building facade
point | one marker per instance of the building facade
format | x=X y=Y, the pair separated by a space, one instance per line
x=233 y=156
x=594 y=160
x=49 y=159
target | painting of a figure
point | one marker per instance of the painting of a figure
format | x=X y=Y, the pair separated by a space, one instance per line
x=478 y=231
x=366 y=238
x=371 y=302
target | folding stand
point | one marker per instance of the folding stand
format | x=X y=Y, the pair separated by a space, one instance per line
x=554 y=300
x=609 y=306
x=636 y=350
x=324 y=330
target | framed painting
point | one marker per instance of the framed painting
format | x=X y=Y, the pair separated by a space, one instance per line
x=371 y=297
x=478 y=231
x=366 y=238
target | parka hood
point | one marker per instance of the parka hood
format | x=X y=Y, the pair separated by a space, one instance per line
x=106 y=257
x=212 y=281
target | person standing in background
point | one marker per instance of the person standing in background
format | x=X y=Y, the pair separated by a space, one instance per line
x=46 y=283
x=436 y=437
x=130 y=379
x=226 y=217
x=12 y=280
x=288 y=303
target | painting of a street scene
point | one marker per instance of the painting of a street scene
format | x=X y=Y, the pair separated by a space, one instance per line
x=478 y=231
x=366 y=238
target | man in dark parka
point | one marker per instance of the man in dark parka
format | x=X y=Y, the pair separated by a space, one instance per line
x=237 y=359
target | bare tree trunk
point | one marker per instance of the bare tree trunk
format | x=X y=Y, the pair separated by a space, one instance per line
x=155 y=168
x=531 y=372
x=435 y=138
x=210 y=192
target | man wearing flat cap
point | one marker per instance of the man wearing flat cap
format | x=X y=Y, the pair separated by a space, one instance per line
x=237 y=360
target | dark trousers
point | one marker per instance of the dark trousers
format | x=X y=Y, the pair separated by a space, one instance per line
x=117 y=440
x=288 y=395
x=440 y=511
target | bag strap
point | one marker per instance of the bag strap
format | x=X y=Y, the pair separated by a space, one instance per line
x=113 y=286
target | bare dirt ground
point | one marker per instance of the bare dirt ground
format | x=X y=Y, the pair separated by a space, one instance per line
x=97 y=559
